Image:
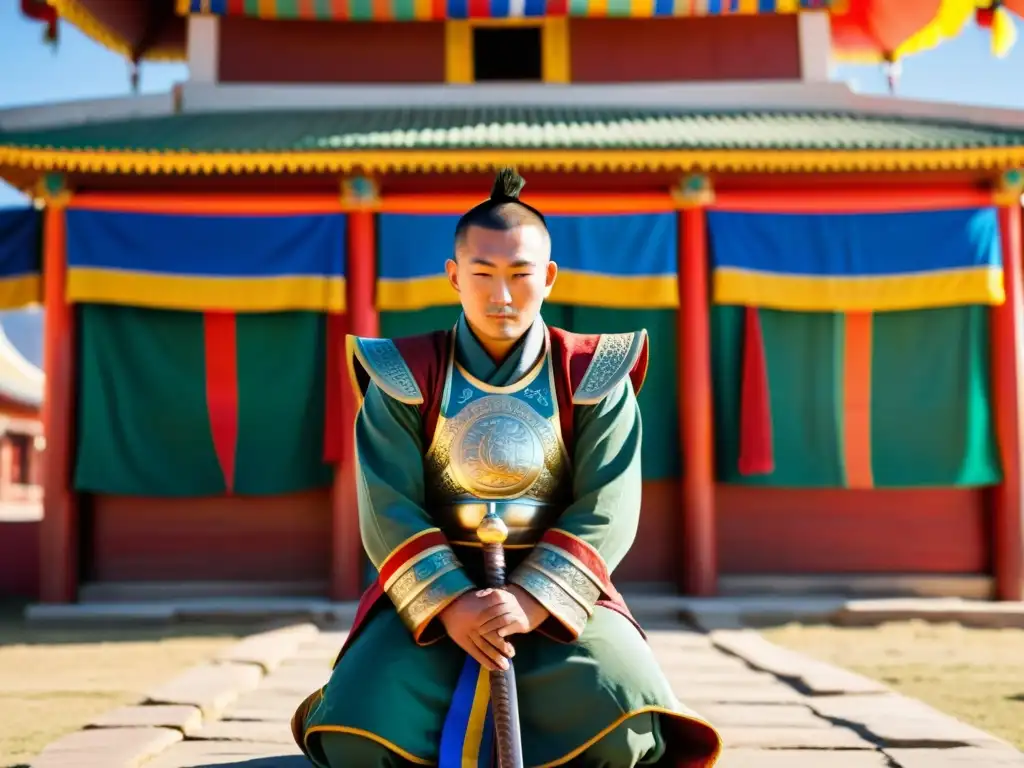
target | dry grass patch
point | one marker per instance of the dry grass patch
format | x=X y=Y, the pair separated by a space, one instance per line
x=54 y=680
x=976 y=675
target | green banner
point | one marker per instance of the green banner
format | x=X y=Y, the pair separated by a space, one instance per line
x=931 y=421
x=143 y=416
x=803 y=373
x=931 y=406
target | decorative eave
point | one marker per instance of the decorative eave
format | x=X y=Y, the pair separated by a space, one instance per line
x=77 y=14
x=628 y=160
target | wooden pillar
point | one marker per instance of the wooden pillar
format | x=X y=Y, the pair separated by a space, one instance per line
x=1007 y=381
x=58 y=576
x=698 y=556
x=7 y=472
x=347 y=556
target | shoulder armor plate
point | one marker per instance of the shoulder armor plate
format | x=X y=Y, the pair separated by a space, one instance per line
x=385 y=366
x=615 y=356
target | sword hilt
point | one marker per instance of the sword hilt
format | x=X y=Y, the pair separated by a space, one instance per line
x=492 y=533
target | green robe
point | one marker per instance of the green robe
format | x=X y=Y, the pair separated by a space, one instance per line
x=601 y=698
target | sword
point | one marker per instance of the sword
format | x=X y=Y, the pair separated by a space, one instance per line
x=492 y=533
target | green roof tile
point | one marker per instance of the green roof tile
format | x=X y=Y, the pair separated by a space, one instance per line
x=513 y=127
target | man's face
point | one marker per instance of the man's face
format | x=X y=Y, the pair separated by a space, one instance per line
x=503 y=277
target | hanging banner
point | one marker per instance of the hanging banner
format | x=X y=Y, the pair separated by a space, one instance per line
x=857 y=262
x=20 y=257
x=626 y=261
x=264 y=263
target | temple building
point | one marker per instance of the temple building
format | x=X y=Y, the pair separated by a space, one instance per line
x=831 y=282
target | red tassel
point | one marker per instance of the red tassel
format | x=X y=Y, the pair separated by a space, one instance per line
x=334 y=383
x=756 y=453
x=984 y=17
x=40 y=10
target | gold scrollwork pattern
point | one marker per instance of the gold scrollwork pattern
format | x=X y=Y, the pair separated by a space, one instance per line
x=558 y=602
x=496 y=447
x=614 y=358
x=566 y=574
x=426 y=585
x=383 y=363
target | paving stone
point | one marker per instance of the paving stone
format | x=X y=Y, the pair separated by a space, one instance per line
x=264 y=705
x=268 y=649
x=296 y=679
x=318 y=655
x=317 y=662
x=967 y=757
x=710 y=621
x=811 y=675
x=677 y=639
x=106 y=748
x=792 y=738
x=969 y=613
x=265 y=732
x=177 y=716
x=200 y=754
x=703 y=662
x=762 y=716
x=328 y=642
x=211 y=687
x=755 y=694
x=897 y=721
x=726 y=677
x=808 y=758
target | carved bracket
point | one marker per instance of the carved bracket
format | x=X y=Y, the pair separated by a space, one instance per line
x=1009 y=187
x=694 y=191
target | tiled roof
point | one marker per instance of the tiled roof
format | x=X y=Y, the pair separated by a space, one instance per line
x=511 y=127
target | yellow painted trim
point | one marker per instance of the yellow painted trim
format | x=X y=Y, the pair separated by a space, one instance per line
x=458 y=52
x=571 y=287
x=755 y=161
x=556 y=62
x=75 y=13
x=887 y=293
x=20 y=291
x=555 y=59
x=194 y=293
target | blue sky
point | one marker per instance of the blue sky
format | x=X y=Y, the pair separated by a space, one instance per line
x=962 y=70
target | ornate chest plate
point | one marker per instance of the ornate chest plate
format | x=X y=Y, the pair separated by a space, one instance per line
x=498 y=444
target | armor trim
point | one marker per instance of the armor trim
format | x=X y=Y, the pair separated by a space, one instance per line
x=562 y=606
x=614 y=358
x=581 y=553
x=382 y=362
x=421 y=577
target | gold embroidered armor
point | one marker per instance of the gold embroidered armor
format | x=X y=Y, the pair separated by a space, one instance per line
x=500 y=445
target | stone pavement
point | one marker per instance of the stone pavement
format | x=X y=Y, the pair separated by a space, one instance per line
x=775 y=709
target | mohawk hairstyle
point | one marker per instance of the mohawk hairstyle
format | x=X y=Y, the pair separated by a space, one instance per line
x=503 y=210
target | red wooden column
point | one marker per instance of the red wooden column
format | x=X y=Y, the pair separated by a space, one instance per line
x=698 y=571
x=347 y=558
x=1007 y=382
x=58 y=534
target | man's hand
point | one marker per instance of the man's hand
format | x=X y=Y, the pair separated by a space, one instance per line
x=516 y=613
x=462 y=620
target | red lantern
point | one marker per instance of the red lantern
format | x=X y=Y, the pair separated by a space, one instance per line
x=874 y=30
